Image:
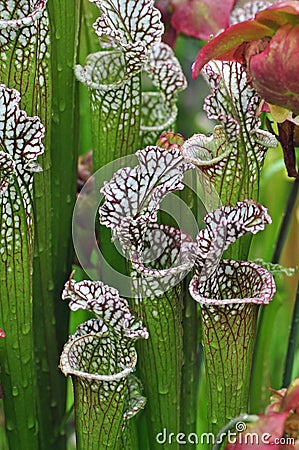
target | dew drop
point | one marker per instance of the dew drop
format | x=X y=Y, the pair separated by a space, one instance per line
x=26 y=328
x=62 y=105
x=10 y=425
x=163 y=389
x=15 y=391
x=24 y=383
x=30 y=422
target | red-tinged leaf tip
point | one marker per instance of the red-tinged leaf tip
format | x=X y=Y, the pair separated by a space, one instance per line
x=223 y=47
x=2 y=333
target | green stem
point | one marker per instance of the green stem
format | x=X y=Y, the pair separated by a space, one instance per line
x=16 y=350
x=25 y=68
x=65 y=20
x=287 y=217
x=160 y=362
x=129 y=436
x=191 y=367
x=293 y=340
x=229 y=306
x=228 y=340
x=98 y=424
x=116 y=122
x=54 y=198
x=116 y=111
x=191 y=327
x=260 y=363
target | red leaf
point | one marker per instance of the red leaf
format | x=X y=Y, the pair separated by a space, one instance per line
x=224 y=45
x=275 y=71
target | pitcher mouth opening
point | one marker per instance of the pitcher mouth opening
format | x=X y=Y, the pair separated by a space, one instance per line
x=234 y=282
x=72 y=362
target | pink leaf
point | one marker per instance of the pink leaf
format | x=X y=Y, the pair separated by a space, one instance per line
x=226 y=45
x=201 y=18
x=265 y=433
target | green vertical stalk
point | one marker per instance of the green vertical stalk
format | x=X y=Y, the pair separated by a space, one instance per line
x=160 y=305
x=192 y=331
x=42 y=67
x=54 y=197
x=116 y=122
x=229 y=305
x=101 y=418
x=228 y=292
x=16 y=350
x=65 y=22
x=228 y=369
x=100 y=357
x=88 y=418
x=231 y=159
x=160 y=257
x=115 y=113
x=20 y=144
x=286 y=221
x=24 y=65
x=191 y=365
x=259 y=392
x=161 y=361
x=122 y=121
